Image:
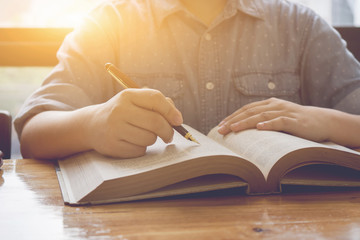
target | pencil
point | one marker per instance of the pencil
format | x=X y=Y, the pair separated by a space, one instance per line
x=127 y=82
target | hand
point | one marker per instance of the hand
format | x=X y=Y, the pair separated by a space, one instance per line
x=308 y=122
x=130 y=121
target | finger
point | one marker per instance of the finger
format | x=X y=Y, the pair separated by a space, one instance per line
x=241 y=116
x=283 y=123
x=124 y=149
x=243 y=121
x=249 y=109
x=136 y=135
x=247 y=123
x=121 y=149
x=240 y=125
x=152 y=122
x=155 y=101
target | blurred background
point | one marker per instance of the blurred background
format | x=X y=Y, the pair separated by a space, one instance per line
x=18 y=82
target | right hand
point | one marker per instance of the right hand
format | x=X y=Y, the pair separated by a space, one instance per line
x=130 y=121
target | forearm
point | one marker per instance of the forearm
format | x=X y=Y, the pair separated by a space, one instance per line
x=121 y=127
x=55 y=134
x=345 y=129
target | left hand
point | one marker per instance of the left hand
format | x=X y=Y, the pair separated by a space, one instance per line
x=308 y=122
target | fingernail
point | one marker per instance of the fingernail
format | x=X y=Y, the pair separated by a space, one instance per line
x=260 y=125
x=222 y=129
x=171 y=139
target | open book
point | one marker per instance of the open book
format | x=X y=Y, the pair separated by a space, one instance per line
x=260 y=161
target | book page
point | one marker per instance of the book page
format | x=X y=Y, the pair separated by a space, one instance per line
x=194 y=185
x=264 y=148
x=323 y=175
x=161 y=155
x=79 y=175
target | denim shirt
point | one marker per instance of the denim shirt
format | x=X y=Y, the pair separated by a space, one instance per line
x=254 y=50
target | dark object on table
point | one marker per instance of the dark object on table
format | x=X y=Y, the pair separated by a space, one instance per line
x=5 y=134
x=1 y=161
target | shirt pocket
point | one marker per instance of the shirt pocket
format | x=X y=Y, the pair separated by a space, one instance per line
x=170 y=84
x=282 y=85
x=260 y=86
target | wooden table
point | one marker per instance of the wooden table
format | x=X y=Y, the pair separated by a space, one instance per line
x=31 y=207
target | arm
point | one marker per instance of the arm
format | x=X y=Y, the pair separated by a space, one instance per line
x=313 y=123
x=75 y=109
x=330 y=79
x=121 y=127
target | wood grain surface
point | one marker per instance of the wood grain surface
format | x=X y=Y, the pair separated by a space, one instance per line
x=31 y=207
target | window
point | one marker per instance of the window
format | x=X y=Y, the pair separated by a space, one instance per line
x=18 y=82
x=43 y=13
x=336 y=12
x=346 y=13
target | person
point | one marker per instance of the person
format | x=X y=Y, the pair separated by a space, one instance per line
x=239 y=64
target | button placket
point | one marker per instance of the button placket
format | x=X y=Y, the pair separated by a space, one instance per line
x=208 y=36
x=271 y=85
x=210 y=85
x=207 y=79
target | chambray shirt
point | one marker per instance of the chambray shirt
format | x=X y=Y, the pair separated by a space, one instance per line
x=254 y=50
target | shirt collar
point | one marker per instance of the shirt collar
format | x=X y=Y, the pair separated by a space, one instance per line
x=254 y=8
x=164 y=8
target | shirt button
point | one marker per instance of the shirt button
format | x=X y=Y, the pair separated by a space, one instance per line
x=210 y=86
x=208 y=36
x=271 y=85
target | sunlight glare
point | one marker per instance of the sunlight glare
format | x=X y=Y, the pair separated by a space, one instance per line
x=44 y=13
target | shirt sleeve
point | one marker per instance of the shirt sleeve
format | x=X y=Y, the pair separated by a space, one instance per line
x=79 y=79
x=330 y=73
